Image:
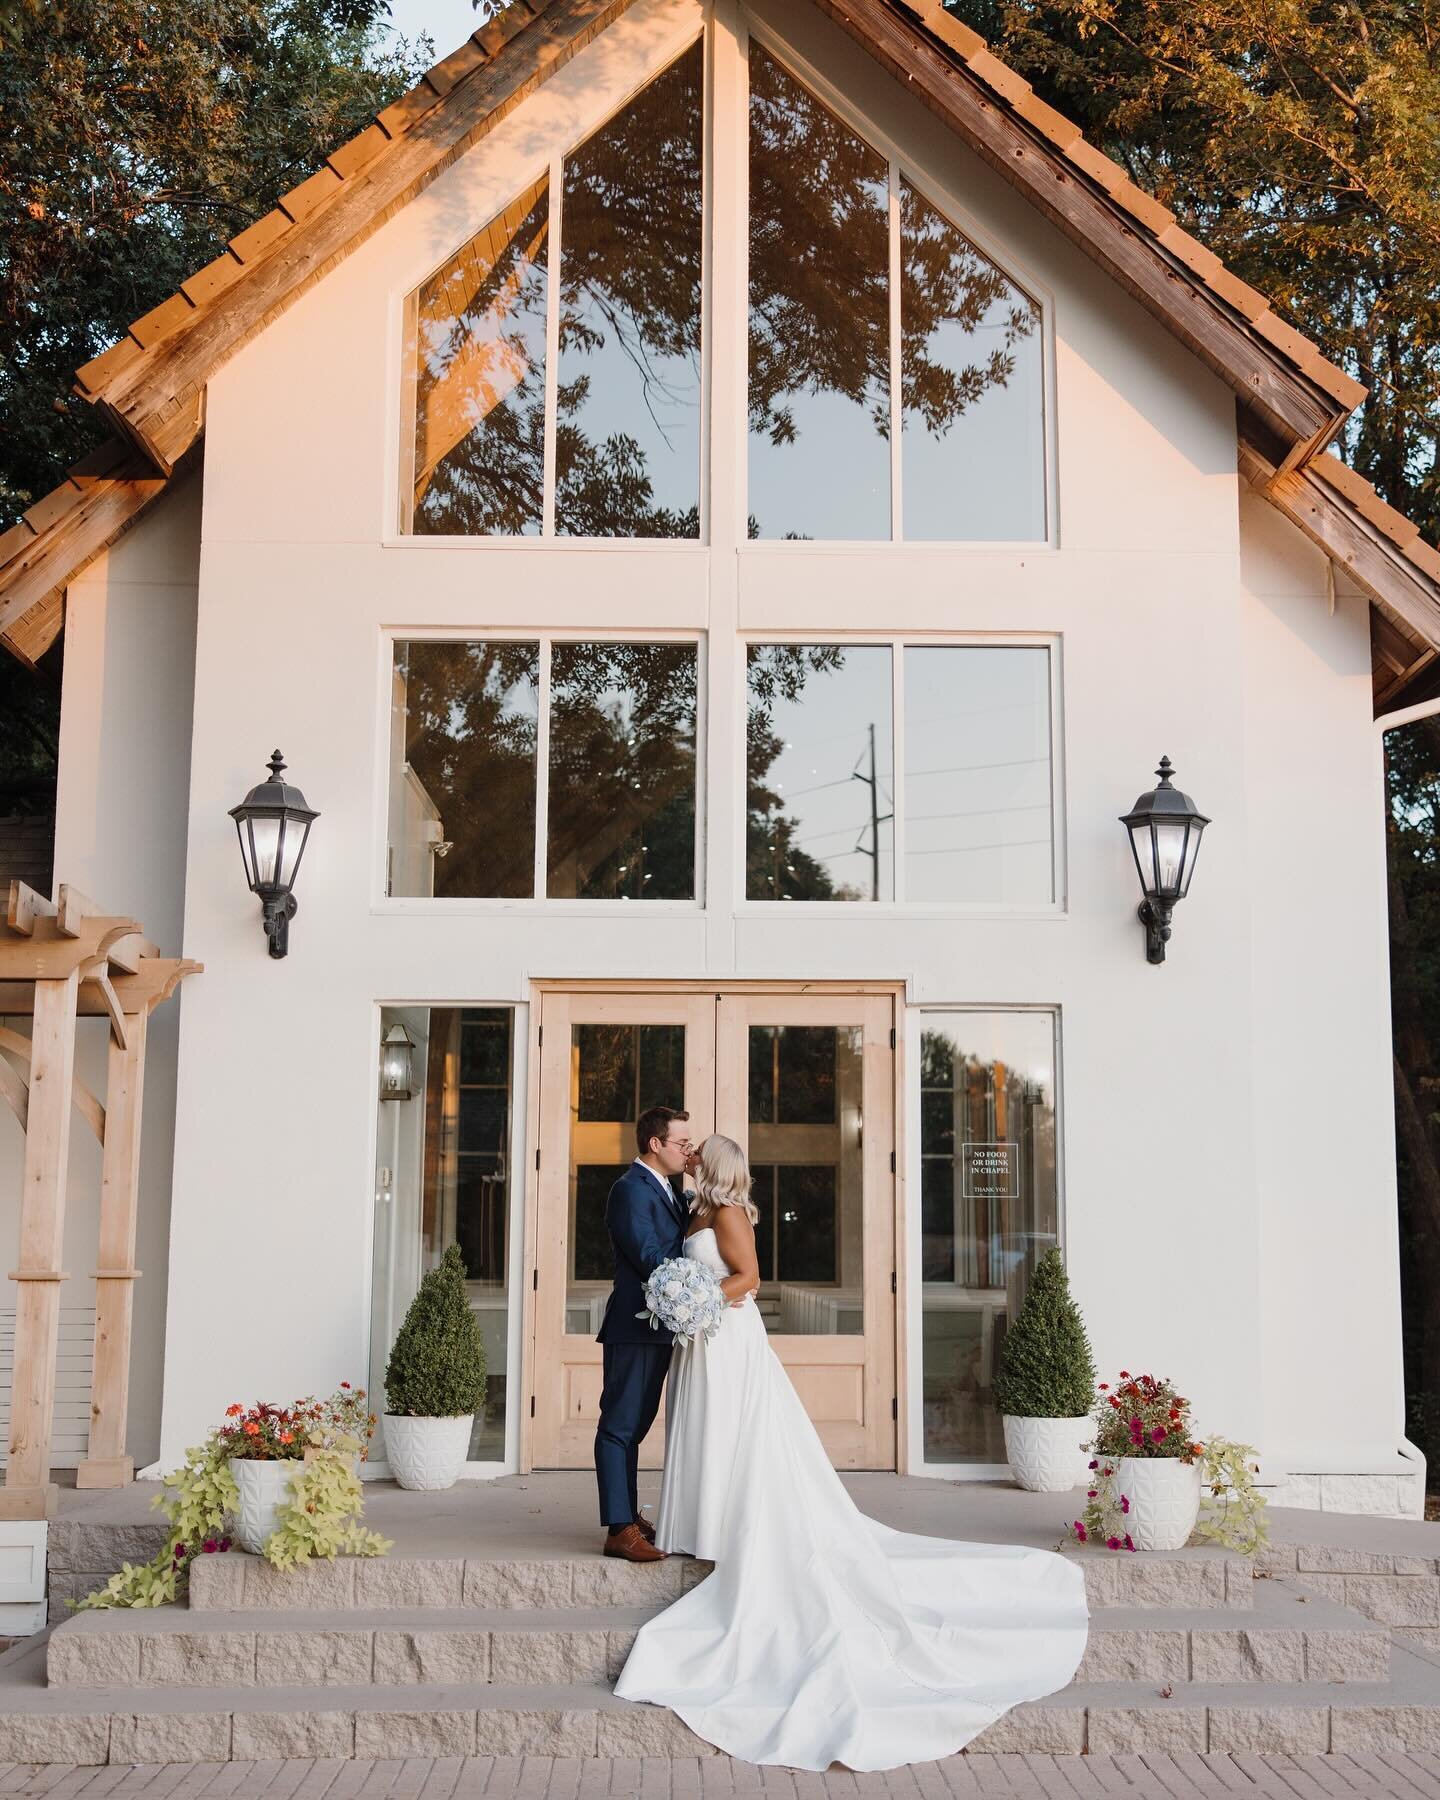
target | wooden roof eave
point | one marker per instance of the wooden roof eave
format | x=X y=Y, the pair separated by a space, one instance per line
x=151 y=383
x=1393 y=567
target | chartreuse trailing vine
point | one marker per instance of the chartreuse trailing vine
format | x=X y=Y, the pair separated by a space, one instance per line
x=321 y=1517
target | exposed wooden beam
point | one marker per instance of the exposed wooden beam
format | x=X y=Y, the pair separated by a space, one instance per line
x=153 y=983
x=86 y=1103
x=24 y=906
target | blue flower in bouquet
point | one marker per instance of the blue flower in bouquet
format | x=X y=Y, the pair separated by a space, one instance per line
x=684 y=1297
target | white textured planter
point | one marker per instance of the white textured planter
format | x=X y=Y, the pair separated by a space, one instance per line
x=1045 y=1454
x=426 y=1453
x=1164 y=1495
x=264 y=1489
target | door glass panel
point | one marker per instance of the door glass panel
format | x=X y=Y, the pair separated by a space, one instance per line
x=622 y=772
x=805 y=1085
x=477 y=357
x=989 y=1211
x=444 y=1177
x=627 y=439
x=464 y=727
x=978 y=821
x=617 y=1071
x=820 y=773
x=819 y=318
x=973 y=462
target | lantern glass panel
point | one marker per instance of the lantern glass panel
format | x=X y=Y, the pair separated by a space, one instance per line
x=291 y=847
x=395 y=1076
x=1191 y=857
x=1170 y=855
x=264 y=834
x=1144 y=856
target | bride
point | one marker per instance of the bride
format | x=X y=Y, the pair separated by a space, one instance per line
x=822 y=1636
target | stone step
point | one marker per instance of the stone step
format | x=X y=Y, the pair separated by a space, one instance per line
x=234 y=1581
x=127 y=1725
x=1283 y=1637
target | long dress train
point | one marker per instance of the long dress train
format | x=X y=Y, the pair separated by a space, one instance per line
x=824 y=1636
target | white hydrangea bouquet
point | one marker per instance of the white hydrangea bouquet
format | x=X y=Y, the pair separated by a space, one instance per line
x=683 y=1296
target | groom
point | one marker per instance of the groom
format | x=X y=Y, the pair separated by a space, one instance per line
x=646 y=1219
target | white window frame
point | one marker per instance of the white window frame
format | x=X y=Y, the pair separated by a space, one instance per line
x=897 y=643
x=537 y=903
x=914 y=1325
x=402 y=410
x=952 y=208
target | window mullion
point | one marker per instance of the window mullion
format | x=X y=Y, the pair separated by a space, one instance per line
x=897 y=768
x=542 y=777
x=896 y=398
x=552 y=348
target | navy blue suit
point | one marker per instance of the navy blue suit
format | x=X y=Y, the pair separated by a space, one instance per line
x=644 y=1230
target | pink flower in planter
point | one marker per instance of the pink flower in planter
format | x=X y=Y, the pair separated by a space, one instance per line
x=1125 y=1503
x=1129 y=1543
x=1112 y=1543
x=210 y=1546
x=1091 y=1493
x=1080 y=1531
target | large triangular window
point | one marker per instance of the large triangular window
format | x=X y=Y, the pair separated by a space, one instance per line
x=607 y=443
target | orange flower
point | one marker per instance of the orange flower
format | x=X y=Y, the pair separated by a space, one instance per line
x=287 y=1437
x=251 y=1428
x=230 y=1411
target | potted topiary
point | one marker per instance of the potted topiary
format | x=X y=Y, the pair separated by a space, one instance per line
x=435 y=1381
x=1046 y=1383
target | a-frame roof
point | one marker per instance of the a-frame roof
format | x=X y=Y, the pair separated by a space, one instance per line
x=151 y=385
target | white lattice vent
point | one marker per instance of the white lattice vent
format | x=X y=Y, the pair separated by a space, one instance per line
x=74 y=1370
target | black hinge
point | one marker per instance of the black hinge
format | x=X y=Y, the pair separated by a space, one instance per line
x=537 y=1156
x=536 y=1282
x=892 y=1037
x=892 y=1162
x=539 y=1037
x=894 y=1408
x=893 y=1288
x=532 y=1406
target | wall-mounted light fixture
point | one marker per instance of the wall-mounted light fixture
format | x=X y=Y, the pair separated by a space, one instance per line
x=274 y=823
x=397 y=1064
x=1164 y=828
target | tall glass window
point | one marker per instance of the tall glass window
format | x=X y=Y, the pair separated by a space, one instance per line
x=819 y=773
x=988 y=1209
x=444 y=1176
x=622 y=457
x=467 y=784
x=628 y=422
x=819 y=318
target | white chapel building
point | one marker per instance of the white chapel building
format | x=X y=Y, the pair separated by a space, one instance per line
x=721 y=507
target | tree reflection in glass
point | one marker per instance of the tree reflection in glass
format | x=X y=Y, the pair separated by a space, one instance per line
x=819 y=318
x=466 y=777
x=478 y=353
x=622 y=772
x=628 y=425
x=973 y=445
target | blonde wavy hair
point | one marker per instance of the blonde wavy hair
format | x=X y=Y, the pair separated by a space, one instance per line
x=722 y=1178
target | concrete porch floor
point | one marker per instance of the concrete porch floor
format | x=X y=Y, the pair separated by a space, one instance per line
x=553 y=1513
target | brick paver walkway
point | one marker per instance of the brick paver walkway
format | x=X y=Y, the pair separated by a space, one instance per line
x=1382 y=1776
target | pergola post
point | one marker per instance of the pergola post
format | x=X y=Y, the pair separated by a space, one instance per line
x=29 y=1492
x=106 y=1465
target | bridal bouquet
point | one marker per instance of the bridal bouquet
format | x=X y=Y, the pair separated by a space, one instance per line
x=683 y=1296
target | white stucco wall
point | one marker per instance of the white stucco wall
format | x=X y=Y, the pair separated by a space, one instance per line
x=122 y=797
x=1182 y=1204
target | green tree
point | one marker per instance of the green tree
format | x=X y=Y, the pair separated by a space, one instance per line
x=1301 y=143
x=1046 y=1368
x=437 y=1366
x=136 y=137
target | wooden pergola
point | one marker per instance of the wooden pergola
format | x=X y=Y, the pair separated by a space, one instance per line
x=60 y=960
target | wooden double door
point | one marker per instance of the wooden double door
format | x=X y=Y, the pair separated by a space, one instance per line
x=805 y=1083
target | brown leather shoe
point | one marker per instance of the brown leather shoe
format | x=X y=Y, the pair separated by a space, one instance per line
x=631 y=1543
x=647 y=1528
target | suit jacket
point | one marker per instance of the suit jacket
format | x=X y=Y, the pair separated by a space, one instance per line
x=644 y=1231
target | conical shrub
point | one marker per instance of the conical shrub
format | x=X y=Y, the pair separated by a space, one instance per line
x=437 y=1364
x=1046 y=1368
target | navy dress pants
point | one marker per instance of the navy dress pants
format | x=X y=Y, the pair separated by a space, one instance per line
x=629 y=1400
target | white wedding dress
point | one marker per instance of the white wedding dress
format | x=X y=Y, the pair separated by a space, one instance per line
x=824 y=1636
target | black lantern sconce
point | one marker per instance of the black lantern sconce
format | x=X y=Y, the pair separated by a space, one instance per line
x=274 y=824
x=1164 y=828
x=397 y=1064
